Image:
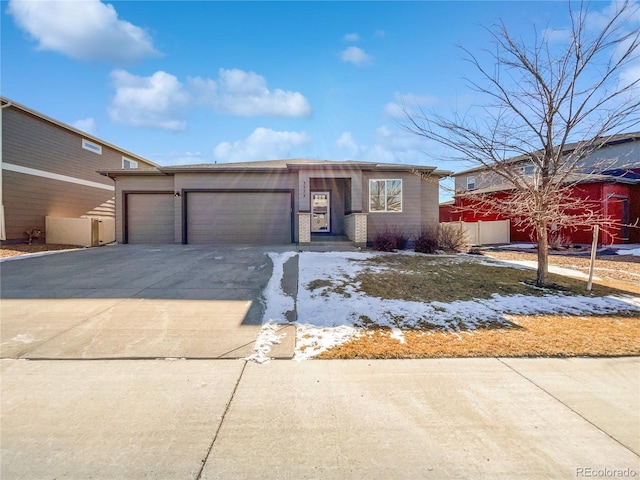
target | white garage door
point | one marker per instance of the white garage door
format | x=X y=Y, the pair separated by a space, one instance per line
x=228 y=218
x=150 y=218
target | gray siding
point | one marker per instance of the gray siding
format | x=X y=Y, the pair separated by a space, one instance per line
x=144 y=183
x=28 y=199
x=410 y=219
x=624 y=155
x=32 y=142
x=430 y=196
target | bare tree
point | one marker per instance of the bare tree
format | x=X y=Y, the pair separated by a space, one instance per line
x=550 y=104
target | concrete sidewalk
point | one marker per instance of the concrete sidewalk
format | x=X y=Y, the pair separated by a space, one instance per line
x=402 y=419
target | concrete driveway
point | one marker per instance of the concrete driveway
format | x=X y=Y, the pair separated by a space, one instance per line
x=136 y=302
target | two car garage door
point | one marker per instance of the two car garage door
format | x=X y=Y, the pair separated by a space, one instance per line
x=213 y=218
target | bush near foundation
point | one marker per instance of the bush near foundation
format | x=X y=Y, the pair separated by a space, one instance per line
x=427 y=239
x=390 y=239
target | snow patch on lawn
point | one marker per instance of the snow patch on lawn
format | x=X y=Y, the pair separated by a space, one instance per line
x=327 y=319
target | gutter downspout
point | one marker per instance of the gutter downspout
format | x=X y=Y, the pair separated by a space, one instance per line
x=3 y=230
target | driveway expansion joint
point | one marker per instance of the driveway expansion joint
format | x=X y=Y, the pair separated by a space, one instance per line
x=224 y=415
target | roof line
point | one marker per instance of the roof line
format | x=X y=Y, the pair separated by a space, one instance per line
x=6 y=102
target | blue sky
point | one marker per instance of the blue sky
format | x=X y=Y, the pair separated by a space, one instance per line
x=183 y=82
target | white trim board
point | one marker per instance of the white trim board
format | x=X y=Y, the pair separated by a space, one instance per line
x=55 y=176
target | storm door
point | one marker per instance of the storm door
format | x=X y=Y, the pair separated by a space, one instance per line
x=320 y=212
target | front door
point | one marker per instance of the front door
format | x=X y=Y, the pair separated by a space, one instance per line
x=320 y=212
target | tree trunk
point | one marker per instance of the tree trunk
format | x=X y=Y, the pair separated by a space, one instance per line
x=543 y=256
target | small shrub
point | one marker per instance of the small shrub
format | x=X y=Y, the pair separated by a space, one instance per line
x=452 y=236
x=384 y=242
x=401 y=240
x=390 y=239
x=559 y=241
x=427 y=240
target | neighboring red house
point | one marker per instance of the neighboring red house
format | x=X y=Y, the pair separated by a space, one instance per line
x=613 y=193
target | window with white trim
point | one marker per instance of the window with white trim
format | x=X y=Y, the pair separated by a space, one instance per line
x=471 y=183
x=385 y=195
x=128 y=163
x=92 y=147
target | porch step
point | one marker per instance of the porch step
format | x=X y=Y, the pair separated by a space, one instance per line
x=331 y=246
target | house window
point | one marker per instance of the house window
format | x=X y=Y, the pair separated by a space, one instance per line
x=528 y=171
x=471 y=183
x=385 y=195
x=92 y=147
x=128 y=163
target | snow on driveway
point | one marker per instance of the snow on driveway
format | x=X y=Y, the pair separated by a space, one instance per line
x=327 y=319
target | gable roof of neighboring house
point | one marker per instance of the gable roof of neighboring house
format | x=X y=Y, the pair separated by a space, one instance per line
x=574 y=178
x=295 y=164
x=8 y=103
x=569 y=147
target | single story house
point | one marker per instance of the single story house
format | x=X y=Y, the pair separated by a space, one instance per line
x=272 y=202
x=49 y=169
x=608 y=183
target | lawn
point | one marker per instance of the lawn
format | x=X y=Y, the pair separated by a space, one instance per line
x=370 y=305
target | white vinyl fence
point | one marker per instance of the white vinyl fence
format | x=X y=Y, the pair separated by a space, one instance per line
x=487 y=233
x=83 y=232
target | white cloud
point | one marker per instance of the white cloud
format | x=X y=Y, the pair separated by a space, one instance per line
x=554 y=35
x=245 y=94
x=628 y=76
x=83 y=30
x=86 y=125
x=355 y=55
x=379 y=33
x=178 y=158
x=262 y=144
x=157 y=101
x=598 y=19
x=347 y=142
x=351 y=37
x=409 y=102
x=389 y=146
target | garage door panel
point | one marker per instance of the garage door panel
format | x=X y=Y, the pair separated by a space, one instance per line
x=261 y=218
x=150 y=218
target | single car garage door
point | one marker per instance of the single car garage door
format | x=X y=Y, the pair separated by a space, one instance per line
x=227 y=218
x=150 y=218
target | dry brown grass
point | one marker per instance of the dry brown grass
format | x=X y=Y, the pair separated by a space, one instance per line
x=423 y=278
x=426 y=279
x=528 y=336
x=613 y=267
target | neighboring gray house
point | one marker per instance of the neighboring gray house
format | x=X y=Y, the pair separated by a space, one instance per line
x=621 y=153
x=272 y=202
x=50 y=169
